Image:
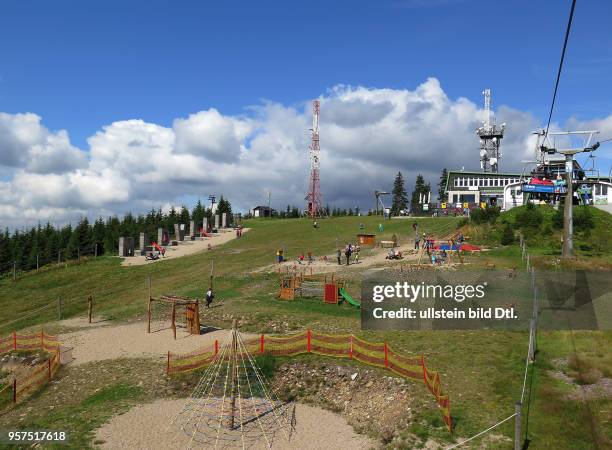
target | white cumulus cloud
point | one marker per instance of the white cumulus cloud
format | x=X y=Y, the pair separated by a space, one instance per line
x=367 y=135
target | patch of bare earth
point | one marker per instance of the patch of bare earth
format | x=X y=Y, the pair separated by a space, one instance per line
x=371 y=402
x=149 y=426
x=98 y=342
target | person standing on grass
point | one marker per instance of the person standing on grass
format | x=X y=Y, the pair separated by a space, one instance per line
x=339 y=256
x=417 y=240
x=209 y=297
x=348 y=253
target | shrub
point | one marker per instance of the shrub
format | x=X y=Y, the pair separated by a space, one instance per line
x=583 y=219
x=486 y=215
x=507 y=236
x=557 y=218
x=463 y=222
x=590 y=376
x=530 y=217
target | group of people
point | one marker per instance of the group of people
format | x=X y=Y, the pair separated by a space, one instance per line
x=301 y=258
x=239 y=231
x=438 y=257
x=394 y=254
x=349 y=251
x=428 y=242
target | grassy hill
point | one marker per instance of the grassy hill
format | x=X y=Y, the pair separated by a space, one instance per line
x=482 y=371
x=542 y=229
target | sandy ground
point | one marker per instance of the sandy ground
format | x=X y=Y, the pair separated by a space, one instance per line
x=100 y=341
x=378 y=257
x=186 y=248
x=149 y=426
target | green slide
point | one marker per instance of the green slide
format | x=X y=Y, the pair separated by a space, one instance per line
x=345 y=295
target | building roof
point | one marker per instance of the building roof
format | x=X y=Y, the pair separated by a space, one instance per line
x=262 y=207
x=455 y=173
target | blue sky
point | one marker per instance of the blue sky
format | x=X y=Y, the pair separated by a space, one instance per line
x=115 y=106
x=81 y=65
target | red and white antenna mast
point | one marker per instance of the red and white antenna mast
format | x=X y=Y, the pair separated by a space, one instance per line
x=313 y=196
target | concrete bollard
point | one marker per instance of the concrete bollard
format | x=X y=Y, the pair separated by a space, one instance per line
x=143 y=244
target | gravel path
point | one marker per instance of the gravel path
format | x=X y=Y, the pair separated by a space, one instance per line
x=100 y=342
x=378 y=256
x=149 y=426
x=186 y=248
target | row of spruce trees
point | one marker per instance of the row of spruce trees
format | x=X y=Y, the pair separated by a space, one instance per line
x=399 y=201
x=41 y=245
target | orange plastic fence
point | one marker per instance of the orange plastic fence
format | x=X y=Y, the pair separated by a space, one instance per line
x=39 y=374
x=338 y=346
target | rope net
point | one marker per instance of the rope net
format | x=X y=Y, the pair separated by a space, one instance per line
x=232 y=404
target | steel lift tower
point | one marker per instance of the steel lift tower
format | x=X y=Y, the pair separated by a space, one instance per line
x=313 y=196
x=490 y=138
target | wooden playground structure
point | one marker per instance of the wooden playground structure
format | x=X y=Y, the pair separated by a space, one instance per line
x=188 y=312
x=449 y=247
x=299 y=284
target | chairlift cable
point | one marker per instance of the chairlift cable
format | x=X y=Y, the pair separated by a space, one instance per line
x=567 y=32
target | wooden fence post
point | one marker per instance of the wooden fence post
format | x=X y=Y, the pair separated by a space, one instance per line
x=261 y=344
x=216 y=347
x=308 y=340
x=517 y=426
x=49 y=366
x=89 y=307
x=14 y=390
x=149 y=305
x=15 y=340
x=174 y=319
x=351 y=347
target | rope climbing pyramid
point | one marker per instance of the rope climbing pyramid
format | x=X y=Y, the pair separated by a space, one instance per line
x=232 y=405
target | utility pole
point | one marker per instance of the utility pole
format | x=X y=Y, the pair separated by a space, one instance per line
x=568 y=220
x=270 y=203
x=568 y=213
x=314 y=200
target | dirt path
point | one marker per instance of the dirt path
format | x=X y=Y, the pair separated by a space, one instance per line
x=377 y=257
x=100 y=341
x=149 y=426
x=186 y=248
